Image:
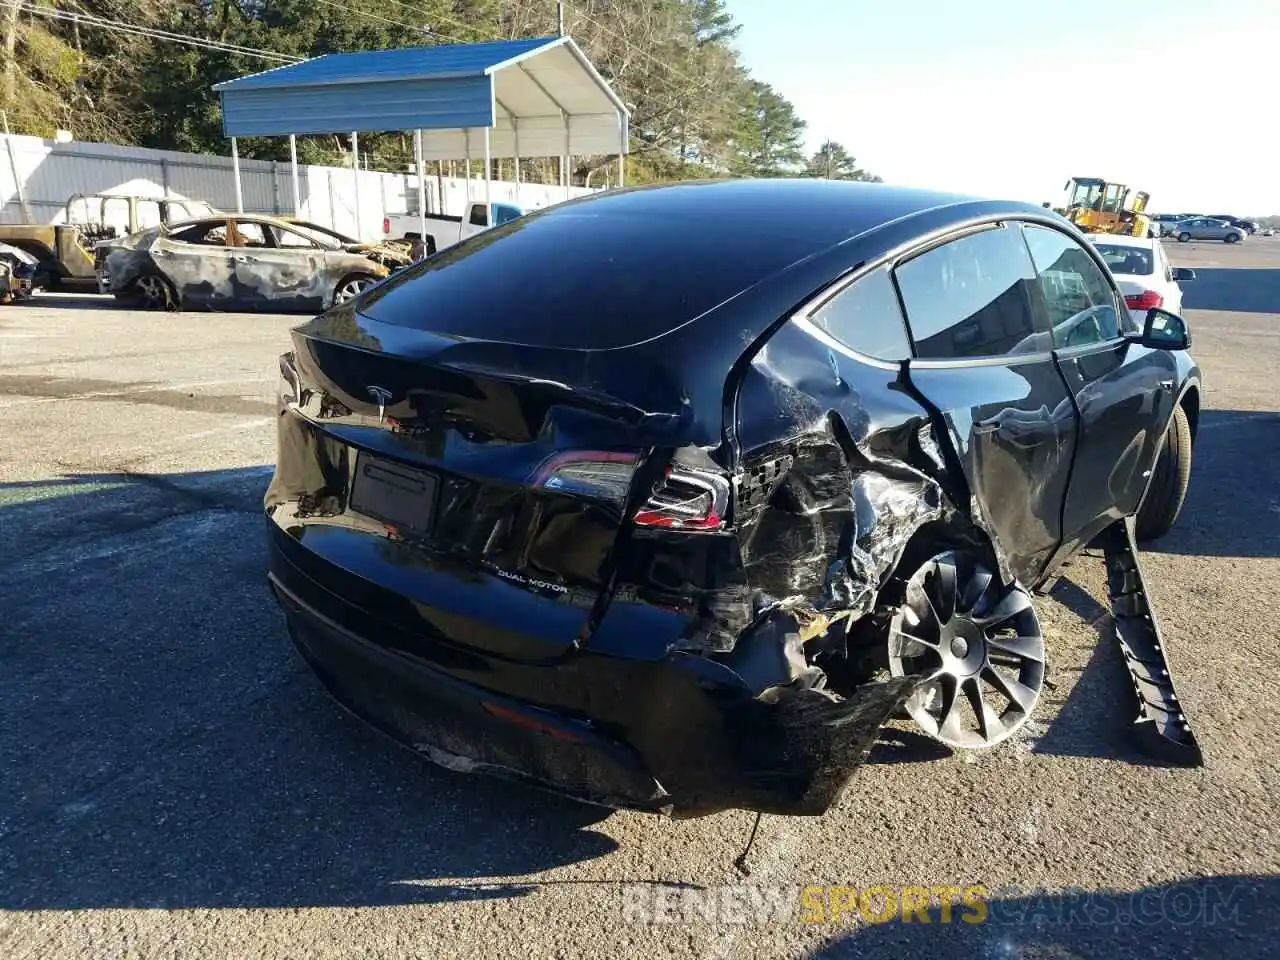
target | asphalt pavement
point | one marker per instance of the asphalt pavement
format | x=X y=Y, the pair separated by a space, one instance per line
x=173 y=782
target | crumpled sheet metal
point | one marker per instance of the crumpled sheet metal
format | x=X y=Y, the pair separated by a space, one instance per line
x=867 y=509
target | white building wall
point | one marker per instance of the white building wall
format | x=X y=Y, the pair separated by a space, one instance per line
x=51 y=172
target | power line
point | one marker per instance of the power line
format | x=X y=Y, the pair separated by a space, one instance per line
x=137 y=30
x=371 y=16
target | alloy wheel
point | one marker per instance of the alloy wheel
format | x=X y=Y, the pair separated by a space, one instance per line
x=350 y=289
x=154 y=292
x=979 y=646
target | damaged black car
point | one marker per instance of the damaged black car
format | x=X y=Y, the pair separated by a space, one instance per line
x=669 y=498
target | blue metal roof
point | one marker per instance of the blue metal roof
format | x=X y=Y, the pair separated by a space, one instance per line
x=453 y=61
x=444 y=91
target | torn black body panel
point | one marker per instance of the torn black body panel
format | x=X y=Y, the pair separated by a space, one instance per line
x=1161 y=726
x=682 y=735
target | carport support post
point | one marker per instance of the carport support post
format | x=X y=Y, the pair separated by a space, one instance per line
x=235 y=172
x=564 y=160
x=293 y=166
x=515 y=129
x=622 y=151
x=422 y=186
x=355 y=176
x=467 y=133
x=488 y=177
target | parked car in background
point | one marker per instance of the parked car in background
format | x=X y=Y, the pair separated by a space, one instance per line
x=1248 y=226
x=18 y=270
x=244 y=262
x=668 y=498
x=1164 y=223
x=443 y=230
x=1207 y=228
x=1144 y=274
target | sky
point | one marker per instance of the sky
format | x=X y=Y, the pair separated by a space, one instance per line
x=1180 y=98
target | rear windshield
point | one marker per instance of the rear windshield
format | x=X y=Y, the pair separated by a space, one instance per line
x=1135 y=261
x=572 y=278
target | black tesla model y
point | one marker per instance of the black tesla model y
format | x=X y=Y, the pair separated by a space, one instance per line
x=669 y=498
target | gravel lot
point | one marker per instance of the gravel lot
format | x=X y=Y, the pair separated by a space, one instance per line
x=175 y=784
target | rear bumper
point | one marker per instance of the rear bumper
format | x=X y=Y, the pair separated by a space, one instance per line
x=682 y=735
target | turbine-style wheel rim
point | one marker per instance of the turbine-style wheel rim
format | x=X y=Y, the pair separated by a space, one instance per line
x=979 y=646
x=153 y=291
x=352 y=289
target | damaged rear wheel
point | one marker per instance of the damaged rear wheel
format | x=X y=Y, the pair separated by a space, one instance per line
x=154 y=292
x=979 y=645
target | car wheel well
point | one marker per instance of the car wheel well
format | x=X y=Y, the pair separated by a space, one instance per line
x=1190 y=404
x=928 y=541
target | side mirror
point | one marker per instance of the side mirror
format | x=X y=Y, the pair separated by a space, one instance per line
x=1163 y=331
x=1183 y=274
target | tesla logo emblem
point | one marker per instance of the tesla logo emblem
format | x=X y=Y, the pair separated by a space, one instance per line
x=381 y=396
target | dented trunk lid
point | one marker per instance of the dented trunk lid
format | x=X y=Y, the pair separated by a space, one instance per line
x=450 y=489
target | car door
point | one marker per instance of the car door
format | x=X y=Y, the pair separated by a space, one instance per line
x=983 y=362
x=197 y=261
x=1122 y=391
x=276 y=268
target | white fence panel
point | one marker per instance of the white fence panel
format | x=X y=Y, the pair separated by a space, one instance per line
x=51 y=172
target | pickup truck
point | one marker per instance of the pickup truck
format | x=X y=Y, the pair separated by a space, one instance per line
x=443 y=230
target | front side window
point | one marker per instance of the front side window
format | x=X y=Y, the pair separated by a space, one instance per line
x=865 y=316
x=1081 y=304
x=971 y=297
x=287 y=239
x=251 y=234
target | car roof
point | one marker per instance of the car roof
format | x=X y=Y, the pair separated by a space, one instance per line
x=1120 y=240
x=653 y=258
x=822 y=212
x=221 y=215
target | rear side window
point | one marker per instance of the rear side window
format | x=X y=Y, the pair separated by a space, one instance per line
x=208 y=234
x=1079 y=299
x=971 y=297
x=479 y=216
x=1134 y=261
x=865 y=316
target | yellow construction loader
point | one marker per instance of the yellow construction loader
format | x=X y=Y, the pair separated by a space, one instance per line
x=1096 y=206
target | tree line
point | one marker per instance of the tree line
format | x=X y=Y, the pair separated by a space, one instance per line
x=140 y=72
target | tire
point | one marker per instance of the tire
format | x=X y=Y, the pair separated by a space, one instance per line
x=1184 y=237
x=1169 y=481
x=351 y=286
x=152 y=291
x=1230 y=238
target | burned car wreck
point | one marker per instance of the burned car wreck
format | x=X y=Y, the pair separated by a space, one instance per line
x=669 y=498
x=243 y=262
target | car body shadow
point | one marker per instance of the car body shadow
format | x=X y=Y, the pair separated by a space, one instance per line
x=164 y=746
x=1229 y=480
x=1233 y=289
x=1095 y=718
x=1227 y=917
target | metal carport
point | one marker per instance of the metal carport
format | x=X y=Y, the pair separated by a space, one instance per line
x=507 y=99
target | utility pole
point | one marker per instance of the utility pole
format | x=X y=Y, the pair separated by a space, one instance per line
x=826 y=147
x=560 y=18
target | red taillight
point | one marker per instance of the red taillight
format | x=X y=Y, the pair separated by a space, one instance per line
x=1146 y=300
x=687 y=499
x=386 y=224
